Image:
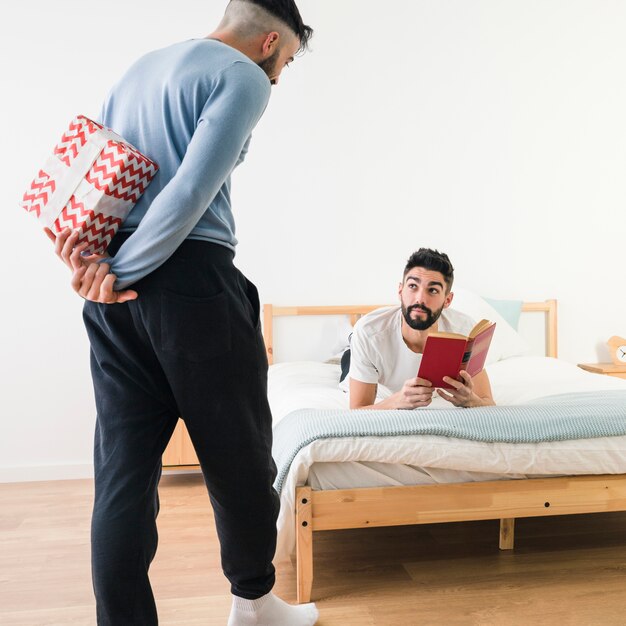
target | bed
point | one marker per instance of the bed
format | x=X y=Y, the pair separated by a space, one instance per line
x=366 y=481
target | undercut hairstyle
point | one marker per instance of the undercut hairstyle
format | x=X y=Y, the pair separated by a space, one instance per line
x=434 y=261
x=285 y=11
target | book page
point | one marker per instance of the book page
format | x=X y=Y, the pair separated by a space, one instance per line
x=479 y=327
x=479 y=350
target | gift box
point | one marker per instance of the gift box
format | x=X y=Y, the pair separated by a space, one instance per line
x=90 y=183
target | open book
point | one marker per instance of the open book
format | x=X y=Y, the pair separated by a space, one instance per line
x=446 y=354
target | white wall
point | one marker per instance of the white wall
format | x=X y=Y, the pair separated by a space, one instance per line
x=493 y=130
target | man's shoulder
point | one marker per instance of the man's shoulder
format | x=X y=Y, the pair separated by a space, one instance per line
x=378 y=322
x=204 y=59
x=371 y=341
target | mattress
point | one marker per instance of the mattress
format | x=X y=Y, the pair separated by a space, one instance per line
x=394 y=461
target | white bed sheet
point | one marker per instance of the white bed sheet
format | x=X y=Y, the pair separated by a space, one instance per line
x=394 y=461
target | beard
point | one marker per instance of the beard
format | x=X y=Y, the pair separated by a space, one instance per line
x=418 y=323
x=269 y=65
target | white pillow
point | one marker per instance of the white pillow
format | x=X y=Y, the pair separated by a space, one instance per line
x=342 y=342
x=506 y=341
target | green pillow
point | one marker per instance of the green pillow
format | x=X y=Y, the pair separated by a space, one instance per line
x=509 y=309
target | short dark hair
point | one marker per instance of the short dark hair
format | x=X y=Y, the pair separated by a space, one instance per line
x=431 y=260
x=287 y=12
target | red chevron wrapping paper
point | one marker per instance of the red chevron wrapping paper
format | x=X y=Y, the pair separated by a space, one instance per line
x=89 y=184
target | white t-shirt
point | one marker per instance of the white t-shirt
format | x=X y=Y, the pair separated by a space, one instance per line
x=378 y=353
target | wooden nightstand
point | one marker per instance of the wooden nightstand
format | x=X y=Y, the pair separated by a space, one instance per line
x=605 y=368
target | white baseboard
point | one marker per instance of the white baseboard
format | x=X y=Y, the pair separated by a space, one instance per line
x=45 y=472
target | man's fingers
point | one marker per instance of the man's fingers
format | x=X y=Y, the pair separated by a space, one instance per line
x=445 y=395
x=51 y=236
x=453 y=383
x=422 y=382
x=97 y=292
x=460 y=395
x=126 y=295
x=68 y=247
x=93 y=282
x=92 y=258
x=108 y=296
x=59 y=241
x=417 y=382
x=413 y=392
x=64 y=244
x=461 y=389
x=418 y=400
x=448 y=397
x=87 y=281
x=76 y=259
x=466 y=378
x=77 y=279
x=415 y=403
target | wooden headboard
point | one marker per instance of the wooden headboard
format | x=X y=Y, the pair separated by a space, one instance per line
x=355 y=311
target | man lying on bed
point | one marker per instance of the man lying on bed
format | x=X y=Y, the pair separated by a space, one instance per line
x=387 y=344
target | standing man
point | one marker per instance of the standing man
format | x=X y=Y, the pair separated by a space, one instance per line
x=185 y=340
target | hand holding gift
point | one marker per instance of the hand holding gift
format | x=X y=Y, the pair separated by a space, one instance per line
x=82 y=195
x=66 y=242
x=89 y=184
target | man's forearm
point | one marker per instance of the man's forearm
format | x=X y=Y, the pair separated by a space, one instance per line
x=382 y=405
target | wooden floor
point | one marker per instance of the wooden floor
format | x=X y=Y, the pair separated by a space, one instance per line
x=565 y=571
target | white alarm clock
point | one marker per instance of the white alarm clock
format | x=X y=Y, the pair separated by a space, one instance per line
x=617 y=349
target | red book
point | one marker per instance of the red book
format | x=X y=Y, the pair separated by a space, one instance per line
x=446 y=354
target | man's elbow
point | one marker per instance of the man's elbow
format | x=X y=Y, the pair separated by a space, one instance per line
x=357 y=403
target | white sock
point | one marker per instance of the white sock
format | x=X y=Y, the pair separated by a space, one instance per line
x=269 y=610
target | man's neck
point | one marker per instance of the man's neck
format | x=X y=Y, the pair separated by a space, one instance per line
x=230 y=39
x=416 y=339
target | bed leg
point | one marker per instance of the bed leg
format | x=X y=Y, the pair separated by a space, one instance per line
x=304 y=544
x=507 y=533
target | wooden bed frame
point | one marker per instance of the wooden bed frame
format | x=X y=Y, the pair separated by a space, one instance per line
x=425 y=504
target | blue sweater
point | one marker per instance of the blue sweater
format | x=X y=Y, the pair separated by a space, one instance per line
x=191 y=108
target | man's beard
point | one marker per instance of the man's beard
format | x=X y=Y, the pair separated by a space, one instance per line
x=418 y=323
x=269 y=65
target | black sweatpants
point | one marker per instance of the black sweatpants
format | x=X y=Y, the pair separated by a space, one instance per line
x=189 y=346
